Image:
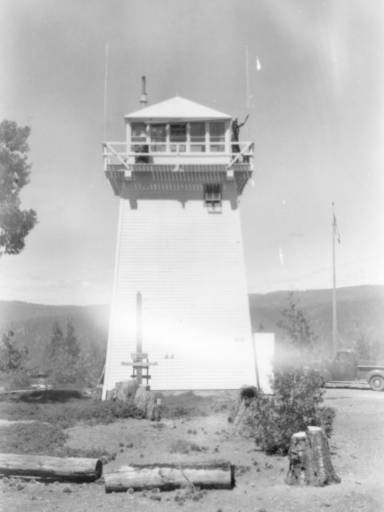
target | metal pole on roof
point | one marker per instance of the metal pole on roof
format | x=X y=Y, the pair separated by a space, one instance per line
x=105 y=90
x=247 y=86
x=143 y=95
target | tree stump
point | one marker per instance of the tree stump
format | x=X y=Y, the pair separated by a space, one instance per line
x=147 y=403
x=310 y=460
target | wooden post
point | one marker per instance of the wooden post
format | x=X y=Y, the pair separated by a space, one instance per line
x=65 y=469
x=310 y=460
x=213 y=475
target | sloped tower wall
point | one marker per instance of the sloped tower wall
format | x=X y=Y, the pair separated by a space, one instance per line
x=188 y=265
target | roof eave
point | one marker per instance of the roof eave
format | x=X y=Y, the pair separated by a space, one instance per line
x=129 y=117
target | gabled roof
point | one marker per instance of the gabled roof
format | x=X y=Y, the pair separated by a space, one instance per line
x=177 y=108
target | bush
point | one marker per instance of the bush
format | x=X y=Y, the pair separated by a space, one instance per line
x=295 y=405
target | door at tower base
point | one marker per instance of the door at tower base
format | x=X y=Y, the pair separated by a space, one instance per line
x=265 y=359
x=188 y=266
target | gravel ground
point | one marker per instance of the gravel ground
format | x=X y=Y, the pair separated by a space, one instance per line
x=357 y=447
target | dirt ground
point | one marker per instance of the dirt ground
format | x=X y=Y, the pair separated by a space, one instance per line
x=357 y=447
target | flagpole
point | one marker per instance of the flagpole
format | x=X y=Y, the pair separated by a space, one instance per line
x=334 y=304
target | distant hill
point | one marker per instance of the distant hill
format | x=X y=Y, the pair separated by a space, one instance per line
x=32 y=324
x=360 y=311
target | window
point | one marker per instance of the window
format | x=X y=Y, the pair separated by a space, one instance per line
x=197 y=132
x=138 y=133
x=139 y=139
x=213 y=197
x=217 y=136
x=158 y=136
x=178 y=135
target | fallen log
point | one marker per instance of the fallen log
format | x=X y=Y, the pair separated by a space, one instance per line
x=166 y=477
x=310 y=459
x=64 y=469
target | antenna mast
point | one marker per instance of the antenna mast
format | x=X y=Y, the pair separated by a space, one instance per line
x=247 y=77
x=144 y=95
x=105 y=90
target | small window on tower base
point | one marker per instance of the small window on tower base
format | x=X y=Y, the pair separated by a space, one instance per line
x=213 y=198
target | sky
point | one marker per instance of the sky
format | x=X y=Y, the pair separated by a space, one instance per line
x=316 y=116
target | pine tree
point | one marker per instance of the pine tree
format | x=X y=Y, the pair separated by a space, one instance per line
x=62 y=355
x=57 y=341
x=71 y=343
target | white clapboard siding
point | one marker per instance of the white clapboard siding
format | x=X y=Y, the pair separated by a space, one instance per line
x=188 y=265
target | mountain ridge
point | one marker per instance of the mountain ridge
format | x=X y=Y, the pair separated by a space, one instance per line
x=360 y=313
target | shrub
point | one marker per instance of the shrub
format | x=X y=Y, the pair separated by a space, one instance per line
x=295 y=405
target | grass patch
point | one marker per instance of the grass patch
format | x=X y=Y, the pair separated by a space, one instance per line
x=65 y=415
x=184 y=447
x=189 y=404
x=38 y=438
x=42 y=439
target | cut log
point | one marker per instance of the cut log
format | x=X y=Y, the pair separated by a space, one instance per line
x=64 y=469
x=166 y=477
x=310 y=459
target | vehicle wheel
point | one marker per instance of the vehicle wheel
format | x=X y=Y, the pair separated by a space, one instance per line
x=377 y=383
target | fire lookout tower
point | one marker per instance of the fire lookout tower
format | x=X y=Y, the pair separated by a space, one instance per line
x=178 y=176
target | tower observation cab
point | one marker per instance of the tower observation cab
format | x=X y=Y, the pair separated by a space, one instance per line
x=178 y=176
x=178 y=135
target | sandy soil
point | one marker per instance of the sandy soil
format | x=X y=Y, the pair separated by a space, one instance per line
x=357 y=447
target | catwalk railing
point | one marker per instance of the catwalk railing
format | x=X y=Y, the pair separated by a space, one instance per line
x=177 y=153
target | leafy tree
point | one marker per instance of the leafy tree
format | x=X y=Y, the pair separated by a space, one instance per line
x=297 y=326
x=366 y=347
x=12 y=358
x=15 y=224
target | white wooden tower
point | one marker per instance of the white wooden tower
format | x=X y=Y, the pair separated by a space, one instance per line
x=178 y=176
